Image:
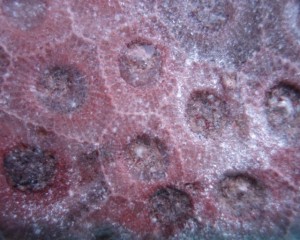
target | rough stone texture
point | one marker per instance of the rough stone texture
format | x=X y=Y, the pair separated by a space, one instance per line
x=165 y=119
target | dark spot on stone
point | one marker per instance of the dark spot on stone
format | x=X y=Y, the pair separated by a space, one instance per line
x=30 y=168
x=111 y=232
x=106 y=234
x=171 y=207
x=62 y=88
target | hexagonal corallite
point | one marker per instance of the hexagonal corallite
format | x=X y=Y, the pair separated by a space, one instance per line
x=283 y=108
x=29 y=168
x=62 y=88
x=140 y=63
x=244 y=195
x=170 y=208
x=148 y=158
x=206 y=113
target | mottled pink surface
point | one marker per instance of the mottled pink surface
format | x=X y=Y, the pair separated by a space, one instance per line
x=166 y=119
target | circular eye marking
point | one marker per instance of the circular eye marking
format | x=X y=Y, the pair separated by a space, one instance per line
x=148 y=158
x=30 y=168
x=140 y=63
x=171 y=207
x=244 y=194
x=62 y=88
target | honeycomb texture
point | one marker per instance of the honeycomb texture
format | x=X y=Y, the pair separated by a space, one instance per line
x=161 y=119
